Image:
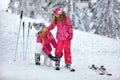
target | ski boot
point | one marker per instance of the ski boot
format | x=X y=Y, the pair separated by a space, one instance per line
x=37 y=59
x=68 y=66
x=57 y=65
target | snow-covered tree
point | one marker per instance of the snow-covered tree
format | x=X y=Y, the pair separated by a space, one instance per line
x=85 y=19
x=44 y=9
x=106 y=18
x=12 y=6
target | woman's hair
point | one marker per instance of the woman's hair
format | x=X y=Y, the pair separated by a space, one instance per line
x=61 y=18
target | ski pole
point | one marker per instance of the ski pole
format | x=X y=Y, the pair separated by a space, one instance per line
x=27 y=39
x=23 y=40
x=21 y=16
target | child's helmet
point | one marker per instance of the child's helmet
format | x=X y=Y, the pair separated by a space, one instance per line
x=42 y=24
x=39 y=26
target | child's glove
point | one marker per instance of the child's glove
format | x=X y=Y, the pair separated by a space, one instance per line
x=56 y=58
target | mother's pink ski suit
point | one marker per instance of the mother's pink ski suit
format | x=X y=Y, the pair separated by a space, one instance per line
x=64 y=36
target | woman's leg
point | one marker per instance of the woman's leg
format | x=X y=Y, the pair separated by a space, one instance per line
x=67 y=52
x=58 y=51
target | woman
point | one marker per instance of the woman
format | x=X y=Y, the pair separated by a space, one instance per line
x=64 y=35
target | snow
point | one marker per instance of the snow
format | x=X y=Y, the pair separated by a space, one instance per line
x=87 y=49
x=4 y=5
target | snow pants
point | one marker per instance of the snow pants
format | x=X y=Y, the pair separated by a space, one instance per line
x=66 y=46
x=39 y=52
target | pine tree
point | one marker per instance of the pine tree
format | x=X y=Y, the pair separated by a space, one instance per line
x=106 y=18
x=44 y=9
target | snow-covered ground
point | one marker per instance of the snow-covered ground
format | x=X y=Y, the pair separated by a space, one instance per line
x=87 y=49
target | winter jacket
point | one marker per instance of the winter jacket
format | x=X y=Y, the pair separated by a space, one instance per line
x=63 y=32
x=47 y=43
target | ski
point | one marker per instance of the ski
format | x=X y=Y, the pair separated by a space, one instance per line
x=103 y=70
x=95 y=70
x=100 y=70
x=71 y=69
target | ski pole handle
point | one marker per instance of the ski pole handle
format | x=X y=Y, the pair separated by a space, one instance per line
x=21 y=15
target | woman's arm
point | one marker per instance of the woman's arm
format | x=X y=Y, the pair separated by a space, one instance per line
x=51 y=26
x=70 y=28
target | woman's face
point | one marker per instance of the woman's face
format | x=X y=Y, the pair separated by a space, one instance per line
x=57 y=15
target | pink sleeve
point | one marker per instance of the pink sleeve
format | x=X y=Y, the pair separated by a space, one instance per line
x=68 y=21
x=51 y=26
x=69 y=24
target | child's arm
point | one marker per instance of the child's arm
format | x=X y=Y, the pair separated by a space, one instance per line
x=51 y=26
x=41 y=35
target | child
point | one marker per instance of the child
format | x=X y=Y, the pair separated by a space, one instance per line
x=64 y=36
x=44 y=39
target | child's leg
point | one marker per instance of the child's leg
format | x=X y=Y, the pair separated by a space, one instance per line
x=37 y=59
x=44 y=58
x=47 y=60
x=38 y=53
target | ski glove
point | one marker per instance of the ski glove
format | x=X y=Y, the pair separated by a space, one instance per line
x=53 y=58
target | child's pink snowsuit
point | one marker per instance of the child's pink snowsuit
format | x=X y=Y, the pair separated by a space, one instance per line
x=64 y=36
x=47 y=43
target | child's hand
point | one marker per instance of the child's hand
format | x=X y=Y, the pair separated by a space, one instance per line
x=54 y=58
